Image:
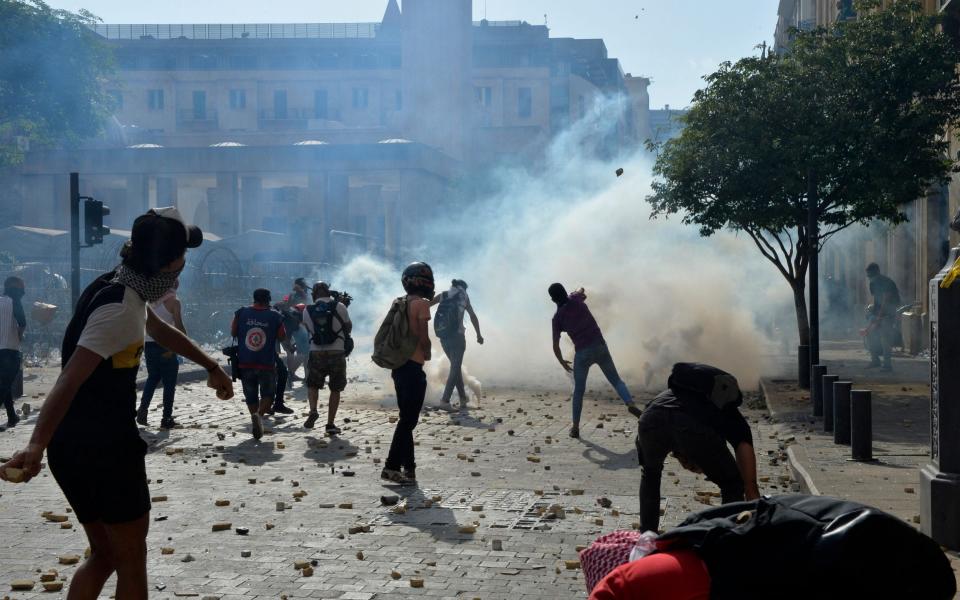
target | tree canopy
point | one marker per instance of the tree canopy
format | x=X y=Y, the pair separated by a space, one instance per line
x=53 y=69
x=862 y=106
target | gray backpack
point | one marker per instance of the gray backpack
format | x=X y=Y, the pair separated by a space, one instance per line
x=394 y=343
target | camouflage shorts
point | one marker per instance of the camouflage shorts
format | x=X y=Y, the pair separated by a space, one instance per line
x=323 y=365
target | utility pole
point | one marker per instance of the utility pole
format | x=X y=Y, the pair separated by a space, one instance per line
x=813 y=237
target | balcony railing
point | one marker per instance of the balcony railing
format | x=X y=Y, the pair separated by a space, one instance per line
x=229 y=31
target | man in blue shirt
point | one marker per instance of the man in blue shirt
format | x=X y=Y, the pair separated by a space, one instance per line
x=258 y=328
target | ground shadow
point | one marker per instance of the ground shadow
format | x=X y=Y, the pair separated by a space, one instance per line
x=336 y=449
x=252 y=452
x=607 y=459
x=440 y=522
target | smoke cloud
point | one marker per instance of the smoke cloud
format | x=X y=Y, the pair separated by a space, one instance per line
x=660 y=293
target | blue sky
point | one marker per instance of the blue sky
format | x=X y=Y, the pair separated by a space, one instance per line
x=674 y=42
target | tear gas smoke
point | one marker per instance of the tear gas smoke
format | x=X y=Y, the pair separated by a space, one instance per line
x=660 y=293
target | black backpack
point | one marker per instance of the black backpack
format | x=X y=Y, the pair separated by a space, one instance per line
x=803 y=547
x=322 y=315
x=448 y=318
x=718 y=386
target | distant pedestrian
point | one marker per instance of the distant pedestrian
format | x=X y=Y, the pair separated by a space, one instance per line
x=13 y=322
x=86 y=424
x=257 y=329
x=574 y=318
x=297 y=342
x=162 y=364
x=695 y=418
x=448 y=325
x=402 y=344
x=328 y=325
x=882 y=332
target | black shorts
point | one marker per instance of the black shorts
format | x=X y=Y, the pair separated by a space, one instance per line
x=101 y=484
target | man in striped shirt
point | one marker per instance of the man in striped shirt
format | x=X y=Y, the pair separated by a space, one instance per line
x=13 y=321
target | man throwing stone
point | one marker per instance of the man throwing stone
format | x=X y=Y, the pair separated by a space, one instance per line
x=574 y=317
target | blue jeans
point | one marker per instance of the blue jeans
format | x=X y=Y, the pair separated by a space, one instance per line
x=599 y=355
x=162 y=366
x=454 y=347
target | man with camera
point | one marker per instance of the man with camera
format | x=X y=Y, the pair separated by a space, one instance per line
x=328 y=324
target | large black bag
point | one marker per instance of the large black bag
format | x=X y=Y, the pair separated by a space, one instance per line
x=717 y=386
x=812 y=547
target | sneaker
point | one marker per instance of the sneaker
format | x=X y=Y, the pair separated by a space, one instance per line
x=332 y=429
x=635 y=410
x=410 y=474
x=282 y=408
x=257 y=426
x=575 y=432
x=395 y=477
x=445 y=405
x=142 y=417
x=167 y=423
x=12 y=421
x=311 y=420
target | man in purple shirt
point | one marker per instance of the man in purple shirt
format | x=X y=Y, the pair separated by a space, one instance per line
x=574 y=317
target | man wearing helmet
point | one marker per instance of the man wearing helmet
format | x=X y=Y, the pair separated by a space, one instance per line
x=409 y=379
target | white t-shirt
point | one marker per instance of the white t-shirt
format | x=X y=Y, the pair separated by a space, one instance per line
x=336 y=346
x=9 y=328
x=116 y=330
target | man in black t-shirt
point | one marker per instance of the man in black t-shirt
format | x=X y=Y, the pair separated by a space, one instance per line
x=685 y=420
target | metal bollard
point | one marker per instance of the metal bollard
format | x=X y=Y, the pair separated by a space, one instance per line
x=816 y=389
x=803 y=366
x=861 y=426
x=841 y=412
x=828 y=381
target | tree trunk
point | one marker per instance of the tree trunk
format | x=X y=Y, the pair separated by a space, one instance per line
x=803 y=317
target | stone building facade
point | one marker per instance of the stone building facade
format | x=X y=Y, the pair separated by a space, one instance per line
x=325 y=131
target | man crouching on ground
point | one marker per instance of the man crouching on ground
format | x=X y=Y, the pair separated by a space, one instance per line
x=694 y=419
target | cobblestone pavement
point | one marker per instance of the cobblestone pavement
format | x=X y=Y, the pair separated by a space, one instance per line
x=507 y=469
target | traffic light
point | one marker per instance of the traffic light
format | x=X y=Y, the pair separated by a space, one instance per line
x=93 y=213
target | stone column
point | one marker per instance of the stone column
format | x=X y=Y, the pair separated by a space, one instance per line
x=251 y=203
x=336 y=213
x=167 y=191
x=138 y=197
x=940 y=480
x=314 y=202
x=225 y=210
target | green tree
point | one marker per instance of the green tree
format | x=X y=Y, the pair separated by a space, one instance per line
x=52 y=74
x=860 y=108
